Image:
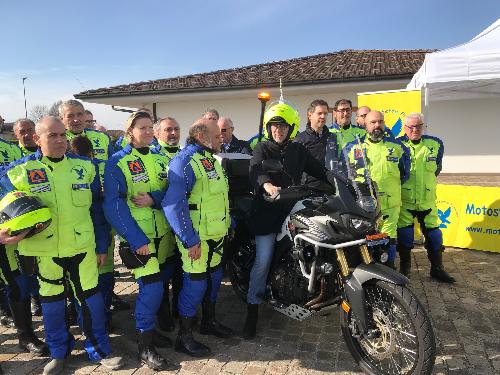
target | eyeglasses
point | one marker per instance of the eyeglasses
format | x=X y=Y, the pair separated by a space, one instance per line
x=90 y=121
x=225 y=130
x=415 y=127
x=343 y=110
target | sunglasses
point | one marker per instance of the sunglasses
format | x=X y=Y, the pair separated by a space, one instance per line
x=225 y=130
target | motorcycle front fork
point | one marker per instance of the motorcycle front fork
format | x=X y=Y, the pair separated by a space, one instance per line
x=344 y=266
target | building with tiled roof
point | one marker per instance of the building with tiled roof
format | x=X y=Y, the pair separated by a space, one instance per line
x=233 y=91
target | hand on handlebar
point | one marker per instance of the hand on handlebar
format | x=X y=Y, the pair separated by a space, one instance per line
x=270 y=189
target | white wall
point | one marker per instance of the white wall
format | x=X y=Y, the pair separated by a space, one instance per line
x=470 y=130
x=244 y=107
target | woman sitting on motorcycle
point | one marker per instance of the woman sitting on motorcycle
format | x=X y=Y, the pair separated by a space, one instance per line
x=281 y=124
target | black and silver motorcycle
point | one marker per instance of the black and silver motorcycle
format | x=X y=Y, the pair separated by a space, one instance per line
x=324 y=257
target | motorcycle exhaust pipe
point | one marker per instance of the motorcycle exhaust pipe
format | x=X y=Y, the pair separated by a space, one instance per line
x=322 y=305
x=321 y=295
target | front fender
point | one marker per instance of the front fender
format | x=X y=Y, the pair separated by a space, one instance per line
x=354 y=287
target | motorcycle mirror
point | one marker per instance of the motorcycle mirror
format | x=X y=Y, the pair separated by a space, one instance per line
x=272 y=165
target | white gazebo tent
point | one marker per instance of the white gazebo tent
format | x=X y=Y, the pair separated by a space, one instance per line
x=461 y=93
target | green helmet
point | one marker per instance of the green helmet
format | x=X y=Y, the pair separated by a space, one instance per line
x=281 y=112
x=20 y=211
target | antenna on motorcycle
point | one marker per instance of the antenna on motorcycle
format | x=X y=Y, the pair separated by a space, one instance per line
x=264 y=97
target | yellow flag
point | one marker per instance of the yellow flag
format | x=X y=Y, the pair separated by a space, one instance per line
x=395 y=105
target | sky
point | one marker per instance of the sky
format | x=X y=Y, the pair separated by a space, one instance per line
x=65 y=47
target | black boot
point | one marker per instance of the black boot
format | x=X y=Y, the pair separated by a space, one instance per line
x=404 y=260
x=165 y=321
x=6 y=317
x=185 y=343
x=36 y=307
x=210 y=326
x=21 y=312
x=251 y=321
x=118 y=304
x=160 y=341
x=437 y=269
x=147 y=352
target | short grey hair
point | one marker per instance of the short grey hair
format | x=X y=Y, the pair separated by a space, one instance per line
x=42 y=121
x=20 y=121
x=228 y=120
x=69 y=103
x=156 y=125
x=414 y=115
x=212 y=111
x=87 y=112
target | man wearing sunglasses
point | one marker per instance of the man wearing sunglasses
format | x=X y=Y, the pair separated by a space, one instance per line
x=229 y=142
x=418 y=196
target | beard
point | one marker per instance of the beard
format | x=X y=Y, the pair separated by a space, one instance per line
x=376 y=135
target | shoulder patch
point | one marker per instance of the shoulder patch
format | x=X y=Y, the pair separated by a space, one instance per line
x=37 y=176
x=136 y=166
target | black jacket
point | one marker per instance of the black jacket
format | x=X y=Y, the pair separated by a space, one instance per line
x=268 y=217
x=237 y=145
x=316 y=144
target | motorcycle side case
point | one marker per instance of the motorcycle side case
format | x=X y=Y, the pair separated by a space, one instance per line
x=354 y=286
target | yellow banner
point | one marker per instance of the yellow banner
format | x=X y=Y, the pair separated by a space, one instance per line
x=395 y=105
x=469 y=216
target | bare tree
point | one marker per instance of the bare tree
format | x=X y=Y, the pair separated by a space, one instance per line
x=54 y=109
x=38 y=111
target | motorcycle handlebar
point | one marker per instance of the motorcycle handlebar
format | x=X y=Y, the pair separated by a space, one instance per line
x=290 y=193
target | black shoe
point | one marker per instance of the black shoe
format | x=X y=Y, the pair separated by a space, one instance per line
x=185 y=343
x=21 y=313
x=36 y=306
x=160 y=341
x=250 y=328
x=6 y=320
x=437 y=269
x=148 y=355
x=404 y=260
x=118 y=304
x=165 y=321
x=210 y=326
x=32 y=344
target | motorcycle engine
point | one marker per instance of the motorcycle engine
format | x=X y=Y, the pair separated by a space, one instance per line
x=288 y=285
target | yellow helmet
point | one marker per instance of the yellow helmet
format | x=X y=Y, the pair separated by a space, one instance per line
x=282 y=112
x=20 y=211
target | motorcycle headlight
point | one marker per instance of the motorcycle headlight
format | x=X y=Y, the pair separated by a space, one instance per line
x=360 y=225
x=367 y=203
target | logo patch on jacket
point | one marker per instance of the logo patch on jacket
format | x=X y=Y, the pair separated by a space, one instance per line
x=394 y=159
x=40 y=188
x=209 y=168
x=136 y=167
x=358 y=153
x=37 y=176
x=80 y=172
x=431 y=158
x=80 y=186
x=96 y=143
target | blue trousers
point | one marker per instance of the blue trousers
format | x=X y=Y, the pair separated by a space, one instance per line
x=148 y=302
x=91 y=319
x=264 y=250
x=193 y=292
x=106 y=284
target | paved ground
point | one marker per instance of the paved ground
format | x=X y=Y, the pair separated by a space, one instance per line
x=466 y=318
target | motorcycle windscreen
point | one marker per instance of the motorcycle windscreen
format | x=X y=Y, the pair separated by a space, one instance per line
x=356 y=169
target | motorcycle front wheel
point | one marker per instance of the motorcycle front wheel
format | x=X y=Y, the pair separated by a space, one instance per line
x=401 y=340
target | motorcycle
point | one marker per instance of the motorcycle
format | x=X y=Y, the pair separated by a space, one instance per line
x=324 y=257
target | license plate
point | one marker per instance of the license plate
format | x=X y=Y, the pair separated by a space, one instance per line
x=377 y=239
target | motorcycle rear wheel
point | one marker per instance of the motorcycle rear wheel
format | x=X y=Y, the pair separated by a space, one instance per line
x=239 y=266
x=404 y=342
